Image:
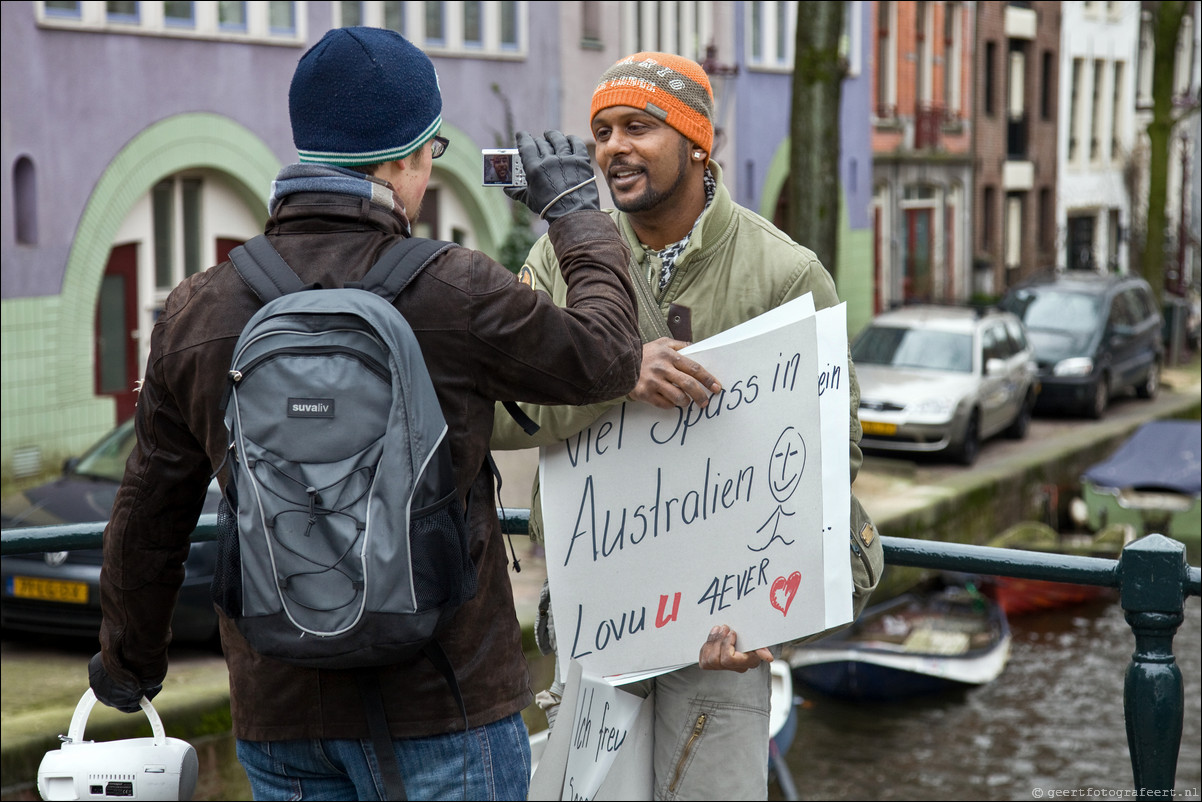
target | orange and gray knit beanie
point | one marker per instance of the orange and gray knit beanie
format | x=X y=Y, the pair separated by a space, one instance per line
x=670 y=88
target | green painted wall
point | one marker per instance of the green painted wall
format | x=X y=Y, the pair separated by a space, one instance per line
x=854 y=269
x=47 y=404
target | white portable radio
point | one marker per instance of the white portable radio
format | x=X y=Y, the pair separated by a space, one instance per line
x=134 y=768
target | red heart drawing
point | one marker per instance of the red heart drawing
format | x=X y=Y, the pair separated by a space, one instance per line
x=786 y=588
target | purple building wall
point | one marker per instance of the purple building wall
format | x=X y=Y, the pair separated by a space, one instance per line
x=762 y=124
x=73 y=99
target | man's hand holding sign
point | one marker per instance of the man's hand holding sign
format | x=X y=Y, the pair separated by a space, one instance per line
x=719 y=652
x=669 y=379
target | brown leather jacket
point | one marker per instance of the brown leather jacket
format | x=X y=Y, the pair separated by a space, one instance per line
x=485 y=336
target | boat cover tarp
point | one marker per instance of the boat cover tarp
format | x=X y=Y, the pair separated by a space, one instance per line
x=1161 y=455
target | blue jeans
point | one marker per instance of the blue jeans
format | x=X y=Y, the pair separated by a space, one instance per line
x=497 y=767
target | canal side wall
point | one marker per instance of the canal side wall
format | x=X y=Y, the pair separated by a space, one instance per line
x=974 y=506
x=970 y=507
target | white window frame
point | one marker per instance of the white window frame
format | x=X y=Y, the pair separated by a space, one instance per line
x=1184 y=64
x=771 y=59
x=658 y=26
x=181 y=228
x=953 y=55
x=1144 y=58
x=1097 y=123
x=1013 y=249
x=93 y=17
x=851 y=44
x=342 y=22
x=190 y=24
x=925 y=47
x=453 y=43
x=1016 y=84
x=886 y=74
x=222 y=215
x=476 y=44
x=1077 y=143
x=1118 y=86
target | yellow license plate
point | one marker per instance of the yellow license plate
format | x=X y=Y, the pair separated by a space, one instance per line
x=50 y=590
x=872 y=427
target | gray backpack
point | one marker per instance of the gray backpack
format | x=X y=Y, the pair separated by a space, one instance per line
x=347 y=544
x=342 y=540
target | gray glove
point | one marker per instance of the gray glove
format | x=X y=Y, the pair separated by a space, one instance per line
x=559 y=175
x=115 y=693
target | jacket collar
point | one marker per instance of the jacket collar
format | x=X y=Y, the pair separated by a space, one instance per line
x=297 y=184
x=331 y=212
x=713 y=228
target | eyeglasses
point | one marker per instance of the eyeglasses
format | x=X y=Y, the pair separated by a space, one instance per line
x=438 y=146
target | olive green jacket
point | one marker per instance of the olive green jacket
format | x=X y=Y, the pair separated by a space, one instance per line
x=737 y=265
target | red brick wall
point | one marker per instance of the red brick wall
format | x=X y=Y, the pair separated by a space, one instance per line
x=990 y=132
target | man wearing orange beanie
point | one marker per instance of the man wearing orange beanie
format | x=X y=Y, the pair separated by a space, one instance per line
x=701 y=264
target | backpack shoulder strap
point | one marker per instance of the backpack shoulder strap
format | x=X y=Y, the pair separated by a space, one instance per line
x=377 y=720
x=389 y=276
x=397 y=267
x=264 y=270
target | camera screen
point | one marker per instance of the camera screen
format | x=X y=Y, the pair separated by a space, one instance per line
x=503 y=168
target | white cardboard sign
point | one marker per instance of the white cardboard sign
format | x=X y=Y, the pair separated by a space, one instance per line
x=601 y=745
x=663 y=523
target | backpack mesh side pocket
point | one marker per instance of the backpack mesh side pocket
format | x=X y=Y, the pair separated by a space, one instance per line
x=227 y=573
x=438 y=537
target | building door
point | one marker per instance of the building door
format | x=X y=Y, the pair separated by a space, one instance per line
x=117 y=368
x=918 y=255
x=1080 y=243
x=224 y=246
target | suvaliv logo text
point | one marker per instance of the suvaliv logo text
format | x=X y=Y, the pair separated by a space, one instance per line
x=310 y=407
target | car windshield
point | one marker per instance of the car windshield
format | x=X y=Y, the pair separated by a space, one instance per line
x=914 y=348
x=106 y=459
x=1057 y=310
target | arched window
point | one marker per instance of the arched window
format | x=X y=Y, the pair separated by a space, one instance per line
x=25 y=201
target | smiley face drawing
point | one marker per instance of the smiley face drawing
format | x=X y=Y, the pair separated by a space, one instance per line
x=785 y=467
x=787 y=464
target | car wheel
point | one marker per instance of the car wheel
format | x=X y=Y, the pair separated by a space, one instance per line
x=970 y=446
x=1151 y=383
x=1018 y=429
x=1100 y=398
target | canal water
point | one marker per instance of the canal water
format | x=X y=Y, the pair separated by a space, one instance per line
x=1050 y=725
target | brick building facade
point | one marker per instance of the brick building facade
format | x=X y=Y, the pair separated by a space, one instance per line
x=921 y=143
x=1014 y=111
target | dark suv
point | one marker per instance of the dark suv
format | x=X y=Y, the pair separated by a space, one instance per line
x=1094 y=335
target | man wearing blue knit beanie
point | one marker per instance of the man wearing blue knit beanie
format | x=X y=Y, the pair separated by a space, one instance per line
x=366 y=110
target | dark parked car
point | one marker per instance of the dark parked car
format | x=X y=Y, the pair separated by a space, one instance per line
x=1095 y=335
x=59 y=592
x=943 y=379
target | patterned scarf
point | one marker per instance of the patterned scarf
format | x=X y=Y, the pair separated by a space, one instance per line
x=670 y=254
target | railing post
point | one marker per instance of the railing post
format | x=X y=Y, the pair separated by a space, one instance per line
x=1152 y=570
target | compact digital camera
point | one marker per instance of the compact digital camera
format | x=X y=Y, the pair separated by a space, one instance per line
x=503 y=168
x=134 y=768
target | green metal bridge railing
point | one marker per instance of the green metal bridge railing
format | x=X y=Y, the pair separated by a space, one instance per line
x=1151 y=575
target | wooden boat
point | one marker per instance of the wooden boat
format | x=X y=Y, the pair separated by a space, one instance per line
x=1152 y=482
x=1022 y=596
x=918 y=643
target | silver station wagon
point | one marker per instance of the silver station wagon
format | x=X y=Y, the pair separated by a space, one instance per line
x=943 y=379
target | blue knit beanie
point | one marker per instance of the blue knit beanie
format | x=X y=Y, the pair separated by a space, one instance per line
x=363 y=96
